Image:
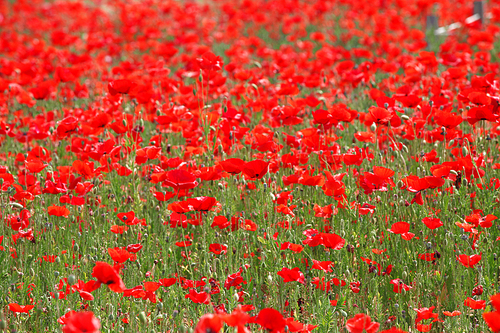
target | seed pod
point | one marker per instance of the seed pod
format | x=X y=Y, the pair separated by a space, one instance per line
x=71 y=280
x=159 y=306
x=142 y=317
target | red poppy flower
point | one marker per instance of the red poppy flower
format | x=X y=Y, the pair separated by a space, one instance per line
x=479 y=113
x=325 y=266
x=40 y=92
x=120 y=86
x=292 y=247
x=295 y=326
x=399 y=286
x=118 y=229
x=399 y=228
x=20 y=308
x=210 y=62
x=361 y=323
x=217 y=248
x=380 y=115
x=151 y=286
x=452 y=314
x=197 y=297
x=495 y=301
x=128 y=218
x=209 y=323
x=86 y=169
x=469 y=261
x=221 y=222
x=425 y=313
x=81 y=322
x=167 y=282
x=447 y=119
x=473 y=304
x=107 y=274
x=493 y=320
x=478 y=290
x=271 y=320
x=255 y=169
x=134 y=248
x=234 y=280
x=232 y=165
x=58 y=211
x=432 y=223
x=86 y=295
x=180 y=179
x=238 y=318
x=160 y=196
x=292 y=275
x=35 y=166
x=20 y=222
x=203 y=204
x=67 y=126
x=119 y=255
x=330 y=241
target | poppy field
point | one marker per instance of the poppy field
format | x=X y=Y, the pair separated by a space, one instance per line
x=249 y=166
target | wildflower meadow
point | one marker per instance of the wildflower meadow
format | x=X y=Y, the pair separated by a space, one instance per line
x=249 y=166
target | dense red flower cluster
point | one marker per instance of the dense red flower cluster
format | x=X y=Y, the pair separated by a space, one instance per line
x=254 y=160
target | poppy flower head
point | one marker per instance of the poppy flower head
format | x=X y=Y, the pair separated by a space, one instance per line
x=120 y=86
x=107 y=274
x=271 y=320
x=361 y=323
x=209 y=323
x=180 y=179
x=210 y=62
x=79 y=322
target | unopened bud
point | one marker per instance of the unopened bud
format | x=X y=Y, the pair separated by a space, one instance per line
x=142 y=317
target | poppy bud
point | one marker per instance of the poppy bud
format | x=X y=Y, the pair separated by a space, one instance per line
x=56 y=273
x=71 y=280
x=373 y=127
x=142 y=317
x=159 y=306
